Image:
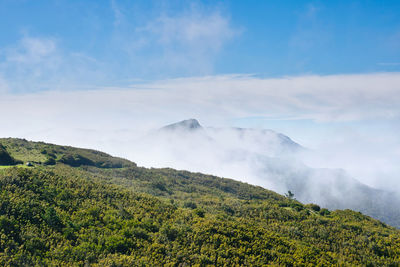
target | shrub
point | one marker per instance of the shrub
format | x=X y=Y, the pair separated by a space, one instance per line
x=313 y=207
x=324 y=212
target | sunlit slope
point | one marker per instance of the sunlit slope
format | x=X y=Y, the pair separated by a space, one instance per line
x=49 y=154
x=129 y=216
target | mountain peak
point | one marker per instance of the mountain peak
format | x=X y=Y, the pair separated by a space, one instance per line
x=190 y=124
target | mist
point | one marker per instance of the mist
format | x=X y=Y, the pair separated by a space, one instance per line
x=268 y=159
x=346 y=127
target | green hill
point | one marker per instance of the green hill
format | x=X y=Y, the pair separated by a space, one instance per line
x=104 y=211
x=49 y=154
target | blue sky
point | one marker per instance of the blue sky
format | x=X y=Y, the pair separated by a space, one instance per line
x=117 y=42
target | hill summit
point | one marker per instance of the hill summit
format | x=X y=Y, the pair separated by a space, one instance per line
x=190 y=124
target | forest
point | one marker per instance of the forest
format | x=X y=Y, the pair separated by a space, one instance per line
x=80 y=207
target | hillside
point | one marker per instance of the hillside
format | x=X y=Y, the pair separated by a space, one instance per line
x=49 y=154
x=5 y=158
x=106 y=211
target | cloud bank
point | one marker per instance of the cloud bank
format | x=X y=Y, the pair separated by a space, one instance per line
x=111 y=118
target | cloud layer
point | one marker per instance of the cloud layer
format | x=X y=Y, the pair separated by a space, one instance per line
x=217 y=98
x=109 y=118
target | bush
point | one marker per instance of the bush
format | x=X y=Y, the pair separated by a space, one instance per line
x=50 y=161
x=296 y=206
x=199 y=212
x=190 y=205
x=314 y=207
x=75 y=160
x=324 y=212
x=51 y=218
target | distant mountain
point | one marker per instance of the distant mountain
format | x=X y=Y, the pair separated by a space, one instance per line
x=255 y=140
x=265 y=158
x=186 y=125
x=99 y=210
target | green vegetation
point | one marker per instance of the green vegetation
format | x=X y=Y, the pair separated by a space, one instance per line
x=48 y=154
x=5 y=158
x=108 y=215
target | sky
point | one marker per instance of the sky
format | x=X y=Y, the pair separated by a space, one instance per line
x=92 y=73
x=123 y=42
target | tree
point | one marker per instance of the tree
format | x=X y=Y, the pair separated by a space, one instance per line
x=289 y=195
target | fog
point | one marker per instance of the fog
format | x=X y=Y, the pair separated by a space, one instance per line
x=265 y=158
x=346 y=126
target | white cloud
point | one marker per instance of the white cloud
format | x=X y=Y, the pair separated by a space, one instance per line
x=212 y=98
x=35 y=64
x=194 y=29
x=335 y=97
x=30 y=64
x=31 y=51
x=185 y=42
x=29 y=61
x=159 y=45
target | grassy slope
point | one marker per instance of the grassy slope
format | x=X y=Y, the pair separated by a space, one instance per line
x=39 y=152
x=131 y=216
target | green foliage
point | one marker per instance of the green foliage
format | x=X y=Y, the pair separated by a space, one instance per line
x=324 y=212
x=190 y=205
x=289 y=195
x=75 y=160
x=200 y=212
x=48 y=154
x=60 y=215
x=50 y=161
x=5 y=158
x=51 y=218
x=313 y=207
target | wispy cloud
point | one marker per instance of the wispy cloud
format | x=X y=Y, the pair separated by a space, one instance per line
x=31 y=50
x=29 y=60
x=118 y=15
x=161 y=45
x=194 y=29
x=184 y=42
x=40 y=63
x=310 y=31
x=392 y=64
